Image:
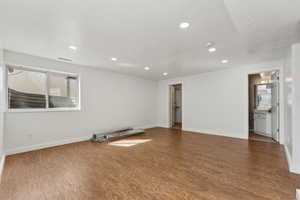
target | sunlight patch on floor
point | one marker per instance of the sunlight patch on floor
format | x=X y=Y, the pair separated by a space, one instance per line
x=128 y=143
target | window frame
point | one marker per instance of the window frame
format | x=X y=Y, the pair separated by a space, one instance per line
x=47 y=72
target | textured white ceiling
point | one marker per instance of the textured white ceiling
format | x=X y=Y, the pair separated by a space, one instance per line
x=145 y=32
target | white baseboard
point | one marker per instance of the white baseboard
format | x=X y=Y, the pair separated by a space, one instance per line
x=45 y=145
x=296 y=170
x=288 y=157
x=57 y=143
x=214 y=132
x=292 y=168
x=298 y=194
x=208 y=132
x=2 y=163
x=146 y=126
x=163 y=126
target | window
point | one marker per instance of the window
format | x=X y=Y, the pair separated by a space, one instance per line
x=26 y=89
x=63 y=91
x=30 y=88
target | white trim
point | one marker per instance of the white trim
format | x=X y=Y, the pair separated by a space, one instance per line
x=281 y=99
x=163 y=126
x=45 y=145
x=47 y=90
x=246 y=106
x=295 y=170
x=146 y=126
x=298 y=194
x=58 y=143
x=174 y=82
x=43 y=110
x=213 y=132
x=291 y=166
x=47 y=72
x=2 y=163
x=288 y=157
x=39 y=69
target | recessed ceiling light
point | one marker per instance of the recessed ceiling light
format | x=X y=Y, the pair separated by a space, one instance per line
x=224 y=61
x=212 y=49
x=147 y=68
x=184 y=25
x=114 y=59
x=73 y=47
x=165 y=73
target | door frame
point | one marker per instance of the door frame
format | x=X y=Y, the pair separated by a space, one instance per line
x=170 y=106
x=178 y=103
x=277 y=132
x=281 y=100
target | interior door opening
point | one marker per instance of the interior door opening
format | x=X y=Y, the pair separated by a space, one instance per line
x=264 y=116
x=176 y=106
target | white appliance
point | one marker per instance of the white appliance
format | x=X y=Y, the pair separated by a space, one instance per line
x=263 y=123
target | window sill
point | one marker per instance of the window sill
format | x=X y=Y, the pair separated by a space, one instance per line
x=43 y=110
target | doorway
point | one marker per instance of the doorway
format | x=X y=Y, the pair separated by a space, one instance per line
x=264 y=116
x=176 y=106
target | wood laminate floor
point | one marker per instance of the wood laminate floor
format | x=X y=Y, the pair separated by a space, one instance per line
x=174 y=165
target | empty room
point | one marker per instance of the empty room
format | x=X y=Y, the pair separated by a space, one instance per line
x=150 y=100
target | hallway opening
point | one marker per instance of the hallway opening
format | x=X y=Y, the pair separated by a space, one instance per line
x=264 y=109
x=176 y=106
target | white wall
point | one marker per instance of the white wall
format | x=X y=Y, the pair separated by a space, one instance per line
x=109 y=100
x=292 y=107
x=2 y=157
x=288 y=115
x=296 y=107
x=214 y=102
